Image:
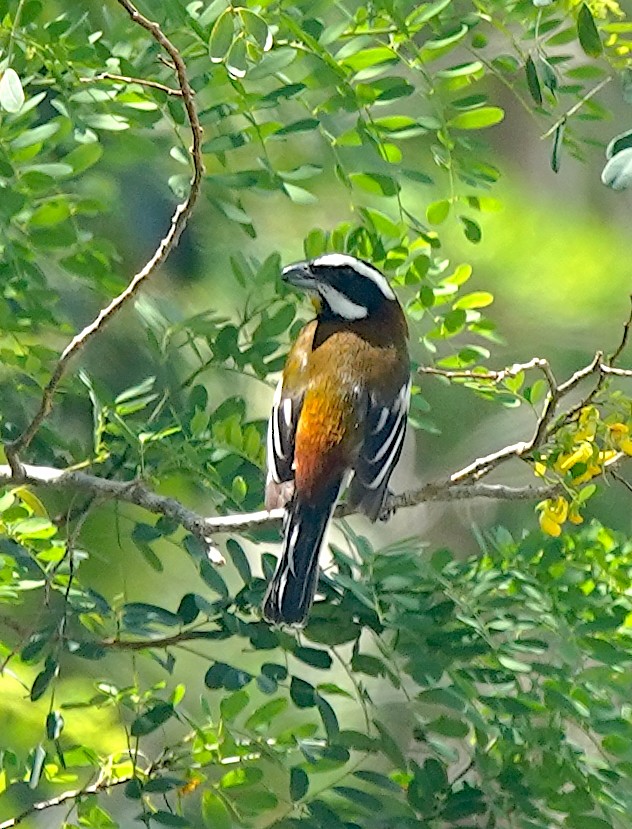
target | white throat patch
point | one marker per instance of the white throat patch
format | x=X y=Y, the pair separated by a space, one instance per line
x=340 y=260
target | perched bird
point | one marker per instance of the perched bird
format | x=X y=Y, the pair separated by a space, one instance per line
x=338 y=416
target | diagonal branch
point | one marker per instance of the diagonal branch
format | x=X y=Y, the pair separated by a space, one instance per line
x=179 y=220
x=58 y=800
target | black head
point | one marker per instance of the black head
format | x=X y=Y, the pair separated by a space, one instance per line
x=348 y=288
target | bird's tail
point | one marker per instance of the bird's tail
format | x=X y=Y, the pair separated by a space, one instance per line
x=291 y=592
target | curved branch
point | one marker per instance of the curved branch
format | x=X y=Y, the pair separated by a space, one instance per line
x=179 y=220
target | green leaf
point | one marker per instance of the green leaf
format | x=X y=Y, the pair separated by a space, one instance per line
x=170 y=819
x=83 y=157
x=221 y=675
x=360 y=798
x=376 y=183
x=513 y=664
x=533 y=82
x=264 y=715
x=215 y=812
x=257 y=28
x=37 y=135
x=213 y=579
x=232 y=705
x=302 y=693
x=471 y=229
x=477 y=119
x=152 y=719
x=426 y=12
x=44 y=678
x=314 y=657
x=11 y=92
x=588 y=33
x=558 y=143
x=239 y=559
x=236 y=59
x=222 y=35
x=328 y=716
x=437 y=211
x=299 y=783
x=477 y=299
x=242 y=776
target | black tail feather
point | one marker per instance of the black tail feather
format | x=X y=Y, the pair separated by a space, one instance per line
x=291 y=592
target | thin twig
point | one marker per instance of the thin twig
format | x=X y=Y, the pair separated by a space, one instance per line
x=110 y=76
x=159 y=642
x=73 y=794
x=492 y=376
x=576 y=107
x=179 y=220
x=620 y=479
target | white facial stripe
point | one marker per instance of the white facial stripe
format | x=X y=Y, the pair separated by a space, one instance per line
x=339 y=260
x=341 y=305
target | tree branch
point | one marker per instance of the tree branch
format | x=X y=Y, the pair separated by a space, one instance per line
x=110 y=76
x=73 y=794
x=546 y=425
x=179 y=220
x=135 y=492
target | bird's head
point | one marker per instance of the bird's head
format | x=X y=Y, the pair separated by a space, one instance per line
x=344 y=287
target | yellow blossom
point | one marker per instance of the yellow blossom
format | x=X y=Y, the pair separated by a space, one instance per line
x=553 y=513
x=582 y=453
x=539 y=469
x=606 y=455
x=588 y=475
x=573 y=515
x=587 y=422
x=620 y=436
x=548 y=526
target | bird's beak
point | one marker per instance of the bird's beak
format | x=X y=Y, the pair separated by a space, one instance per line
x=298 y=275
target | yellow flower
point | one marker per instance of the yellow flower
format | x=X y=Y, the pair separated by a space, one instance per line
x=587 y=422
x=606 y=455
x=588 y=475
x=582 y=453
x=539 y=469
x=553 y=513
x=548 y=526
x=620 y=436
x=573 y=515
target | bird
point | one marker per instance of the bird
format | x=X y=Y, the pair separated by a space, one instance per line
x=338 y=417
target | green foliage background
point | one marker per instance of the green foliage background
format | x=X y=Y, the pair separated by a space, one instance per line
x=477 y=678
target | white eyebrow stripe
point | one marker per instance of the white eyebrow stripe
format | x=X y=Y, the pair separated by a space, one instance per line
x=341 y=305
x=341 y=260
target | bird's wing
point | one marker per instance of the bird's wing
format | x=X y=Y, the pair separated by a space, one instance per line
x=286 y=410
x=380 y=450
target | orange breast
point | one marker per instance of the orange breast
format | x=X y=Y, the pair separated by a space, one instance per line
x=324 y=439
